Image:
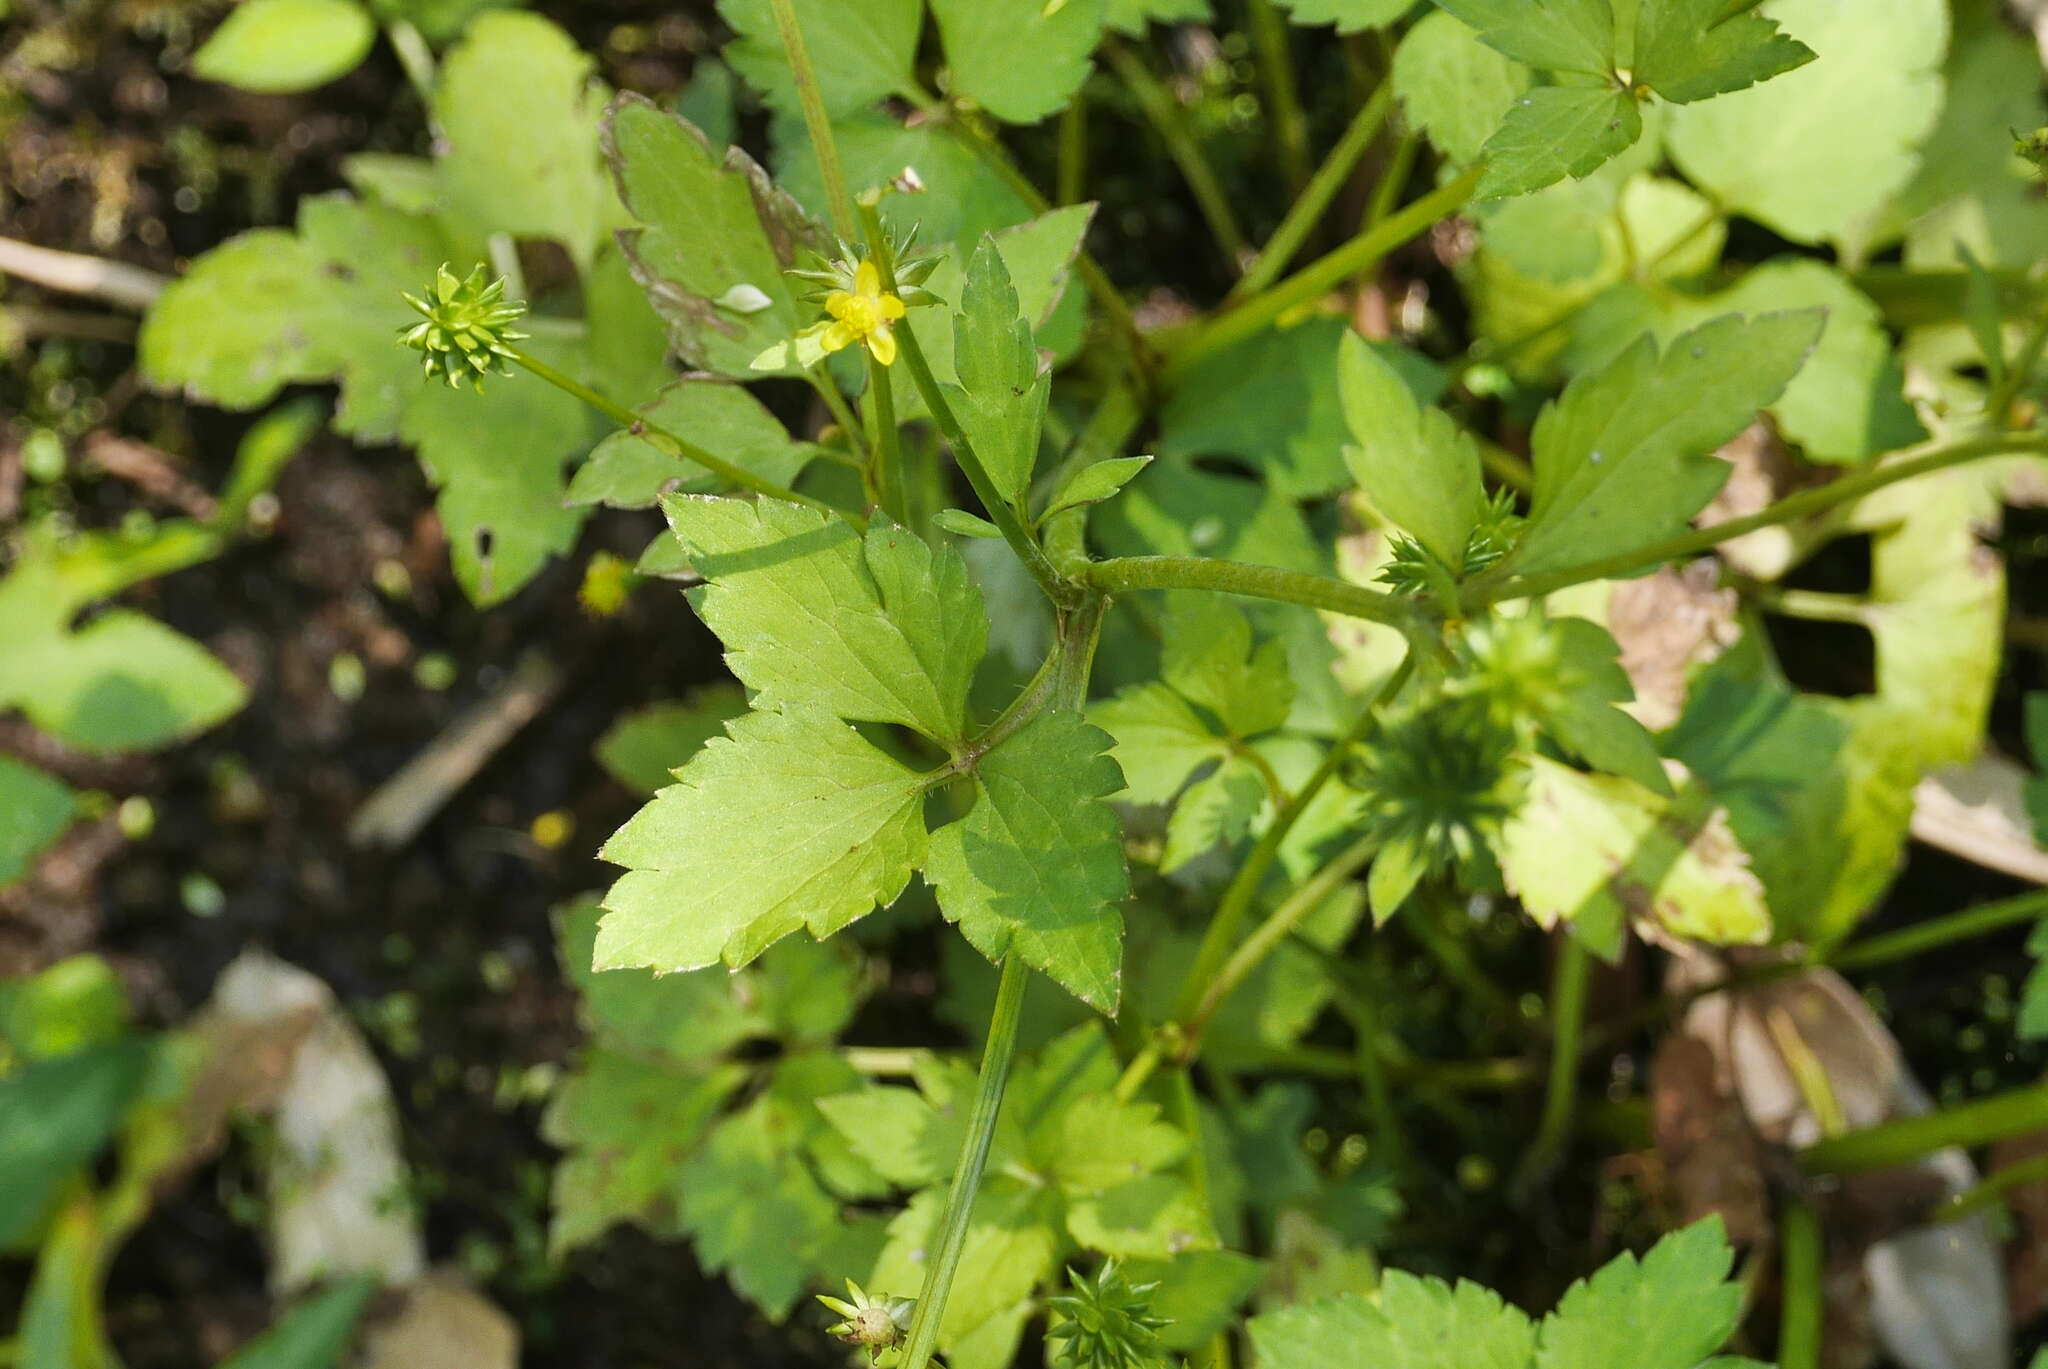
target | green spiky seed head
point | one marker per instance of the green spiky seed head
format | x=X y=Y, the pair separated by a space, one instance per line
x=465 y=331
x=1106 y=1323
x=873 y=1322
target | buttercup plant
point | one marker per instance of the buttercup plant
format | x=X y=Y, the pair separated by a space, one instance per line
x=1169 y=664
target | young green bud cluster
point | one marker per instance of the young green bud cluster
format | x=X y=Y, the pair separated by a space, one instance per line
x=465 y=328
x=1106 y=1323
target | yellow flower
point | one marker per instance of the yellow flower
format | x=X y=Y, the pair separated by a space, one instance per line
x=863 y=315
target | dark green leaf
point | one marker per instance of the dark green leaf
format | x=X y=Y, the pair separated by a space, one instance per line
x=1553 y=132
x=1690 y=49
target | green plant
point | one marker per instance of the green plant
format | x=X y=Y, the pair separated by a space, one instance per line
x=1209 y=703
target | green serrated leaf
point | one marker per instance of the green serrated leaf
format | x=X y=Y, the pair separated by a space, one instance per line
x=1587 y=721
x=1452 y=86
x=1209 y=656
x=983 y=40
x=861 y=52
x=1414 y=464
x=1095 y=482
x=1104 y=1143
x=899 y=644
x=528 y=167
x=1688 y=50
x=278 y=47
x=1553 y=132
x=644 y=748
x=1215 y=810
x=1815 y=154
x=1552 y=35
x=1037 y=866
x=1002 y=392
x=1625 y=456
x=627 y=471
x=791 y=821
x=1160 y=741
x=1669 y=1311
x=1415 y=1324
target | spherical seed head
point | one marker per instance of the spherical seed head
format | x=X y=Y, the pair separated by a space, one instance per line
x=874 y=1322
x=465 y=331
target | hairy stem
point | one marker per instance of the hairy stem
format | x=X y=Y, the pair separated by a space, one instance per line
x=1491 y=588
x=1308 y=209
x=1124 y=573
x=1164 y=113
x=662 y=438
x=1322 y=275
x=816 y=122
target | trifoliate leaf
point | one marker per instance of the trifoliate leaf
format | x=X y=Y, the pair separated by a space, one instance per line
x=1414 y=1324
x=1037 y=865
x=526 y=166
x=644 y=748
x=983 y=40
x=1454 y=87
x=878 y=628
x=1816 y=153
x=1669 y=1311
x=1095 y=482
x=1553 y=35
x=1687 y=50
x=1350 y=16
x=1273 y=401
x=627 y=471
x=34 y=811
x=710 y=224
x=1002 y=392
x=1553 y=132
x=1414 y=464
x=1597 y=852
x=861 y=52
x=278 y=47
x=791 y=821
x=1624 y=457
x=1209 y=657
x=1129 y=17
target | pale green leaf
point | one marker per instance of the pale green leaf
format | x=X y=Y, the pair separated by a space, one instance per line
x=1414 y=464
x=1553 y=35
x=1215 y=810
x=1002 y=393
x=965 y=524
x=1198 y=1293
x=1021 y=60
x=55 y=1116
x=1160 y=741
x=1010 y=1250
x=878 y=628
x=124 y=682
x=1816 y=153
x=1687 y=50
x=527 y=166
x=1396 y=870
x=1104 y=1143
x=1095 y=482
x=907 y=1140
x=1414 y=1324
x=1625 y=456
x=1598 y=852
x=711 y=223
x=1153 y=1218
x=1452 y=86
x=278 y=47
x=791 y=821
x=34 y=811
x=1586 y=721
x=1350 y=16
x=1037 y=865
x=1669 y=1311
x=1209 y=656
x=628 y=471
x=1552 y=132
x=644 y=748
x=861 y=52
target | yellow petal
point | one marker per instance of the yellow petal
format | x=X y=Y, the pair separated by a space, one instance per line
x=837 y=303
x=892 y=307
x=883 y=344
x=836 y=336
x=867 y=280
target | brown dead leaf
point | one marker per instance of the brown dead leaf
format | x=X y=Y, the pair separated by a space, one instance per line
x=1667 y=624
x=443 y=1324
x=1710 y=1157
x=1765 y=472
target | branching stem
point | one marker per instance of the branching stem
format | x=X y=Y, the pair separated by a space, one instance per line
x=816 y=122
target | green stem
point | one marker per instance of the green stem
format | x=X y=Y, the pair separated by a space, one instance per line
x=2018 y=372
x=816 y=122
x=1560 y=1091
x=662 y=438
x=1322 y=275
x=1307 y=211
x=1000 y=510
x=414 y=55
x=1399 y=168
x=2002 y=1115
x=1496 y=585
x=1268 y=936
x=1073 y=150
x=884 y=472
x=1800 y=1255
x=842 y=413
x=1164 y=113
x=1121 y=574
x=1909 y=942
x=996 y=1058
x=2019 y=1174
x=1276 y=62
